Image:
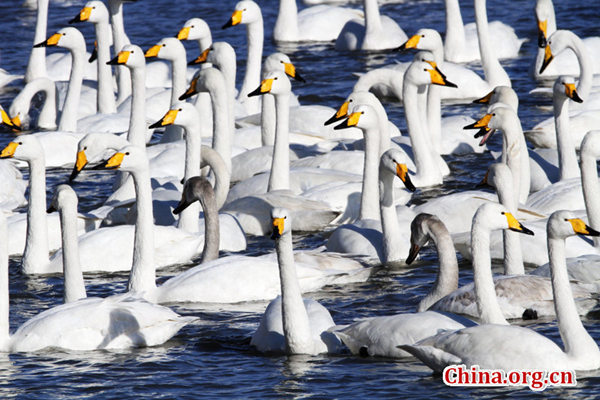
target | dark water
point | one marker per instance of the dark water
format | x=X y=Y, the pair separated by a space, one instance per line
x=212 y=358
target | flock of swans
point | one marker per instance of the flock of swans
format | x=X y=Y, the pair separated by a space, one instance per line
x=256 y=162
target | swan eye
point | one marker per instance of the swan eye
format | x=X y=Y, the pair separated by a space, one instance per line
x=566 y=220
x=422 y=35
x=502 y=212
x=192 y=26
x=127 y=153
x=275 y=78
x=164 y=45
x=494 y=114
x=93 y=8
x=85 y=148
x=180 y=109
x=20 y=143
x=362 y=112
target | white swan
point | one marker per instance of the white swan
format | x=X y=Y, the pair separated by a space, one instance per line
x=379 y=336
x=374 y=32
x=519 y=296
x=119 y=321
x=120 y=40
x=291 y=325
x=248 y=13
x=196 y=29
x=461 y=41
x=19 y=108
x=497 y=345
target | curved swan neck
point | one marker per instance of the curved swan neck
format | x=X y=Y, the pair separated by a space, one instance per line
x=255 y=32
x=211 y=227
x=120 y=39
x=188 y=218
x=516 y=156
x=138 y=133
x=578 y=343
x=296 y=326
x=68 y=117
x=455 y=31
x=105 y=93
x=372 y=16
x=36 y=250
x=369 y=204
x=143 y=277
x=390 y=228
x=222 y=176
x=22 y=103
x=586 y=76
x=446 y=280
x=485 y=289
x=36 y=66
x=74 y=287
x=286 y=25
x=267 y=121
x=591 y=189
x=280 y=166
x=495 y=75
x=567 y=157
x=4 y=293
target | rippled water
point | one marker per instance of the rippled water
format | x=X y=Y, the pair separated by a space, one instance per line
x=212 y=358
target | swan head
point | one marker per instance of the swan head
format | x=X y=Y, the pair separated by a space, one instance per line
x=94 y=12
x=590 y=145
x=64 y=198
x=281 y=222
x=425 y=73
x=7 y=121
x=246 y=12
x=167 y=49
x=563 y=224
x=363 y=116
x=281 y=62
x=129 y=159
x=495 y=216
x=544 y=13
x=131 y=56
x=94 y=147
x=501 y=94
x=68 y=38
x=564 y=87
x=25 y=147
x=497 y=117
x=393 y=162
x=218 y=53
x=424 y=39
x=197 y=188
x=420 y=234
x=194 y=29
x=275 y=83
x=557 y=43
x=355 y=98
x=181 y=113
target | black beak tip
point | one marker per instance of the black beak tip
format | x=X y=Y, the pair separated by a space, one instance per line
x=155 y=125
x=450 y=84
x=42 y=44
x=275 y=234
x=343 y=125
x=409 y=185
x=256 y=92
x=331 y=120
x=50 y=210
x=74 y=20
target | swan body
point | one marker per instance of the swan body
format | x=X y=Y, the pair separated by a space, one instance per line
x=498 y=345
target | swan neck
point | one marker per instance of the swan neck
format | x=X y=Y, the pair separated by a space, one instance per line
x=251 y=81
x=286 y=25
x=485 y=290
x=222 y=176
x=296 y=326
x=390 y=228
x=516 y=157
x=74 y=287
x=211 y=228
x=138 y=133
x=495 y=75
x=591 y=190
x=369 y=204
x=4 y=292
x=267 y=121
x=280 y=166
x=120 y=39
x=372 y=16
x=586 y=66
x=179 y=79
x=455 y=31
x=35 y=255
x=68 y=118
x=105 y=93
x=188 y=219
x=567 y=157
x=434 y=117
x=221 y=125
x=36 y=66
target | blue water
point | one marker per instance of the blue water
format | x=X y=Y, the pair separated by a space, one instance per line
x=212 y=358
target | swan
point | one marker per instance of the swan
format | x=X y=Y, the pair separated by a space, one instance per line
x=498 y=345
x=196 y=29
x=119 y=321
x=291 y=325
x=519 y=296
x=321 y=23
x=564 y=63
x=461 y=41
x=374 y=32
x=385 y=240
x=22 y=103
x=248 y=13
x=379 y=336
x=120 y=40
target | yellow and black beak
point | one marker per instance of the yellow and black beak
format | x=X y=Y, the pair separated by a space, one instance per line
x=51 y=41
x=484 y=131
x=9 y=150
x=542 y=32
x=183 y=203
x=278 y=225
x=414 y=251
x=437 y=77
x=120 y=59
x=112 y=163
x=349 y=122
x=236 y=19
x=548 y=57
x=153 y=51
x=83 y=15
x=290 y=70
x=6 y=119
x=191 y=90
x=485 y=99
x=581 y=228
x=341 y=113
x=94 y=55
x=515 y=225
x=16 y=121
x=411 y=43
x=80 y=163
x=201 y=58
x=265 y=87
x=402 y=172
x=168 y=119
x=571 y=92
x=184 y=33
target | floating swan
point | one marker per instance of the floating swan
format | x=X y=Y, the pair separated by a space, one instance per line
x=498 y=345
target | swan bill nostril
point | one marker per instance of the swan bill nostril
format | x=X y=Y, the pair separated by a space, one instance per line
x=236 y=19
x=411 y=43
x=9 y=150
x=153 y=51
x=51 y=41
x=184 y=33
